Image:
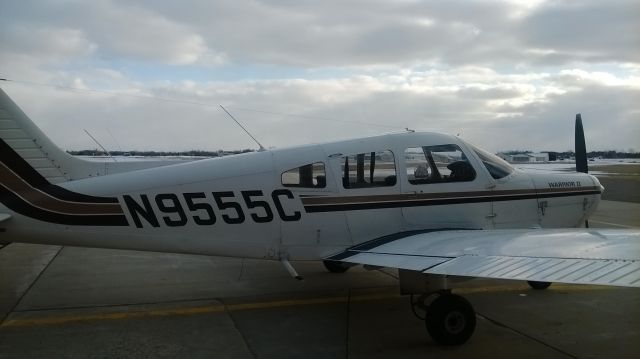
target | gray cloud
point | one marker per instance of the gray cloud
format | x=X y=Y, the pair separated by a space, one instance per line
x=321 y=34
x=115 y=29
x=502 y=114
x=473 y=67
x=595 y=31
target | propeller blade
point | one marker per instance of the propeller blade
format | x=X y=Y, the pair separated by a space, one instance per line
x=581 y=152
x=581 y=148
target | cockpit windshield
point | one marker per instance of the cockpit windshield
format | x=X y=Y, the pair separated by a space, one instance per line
x=497 y=167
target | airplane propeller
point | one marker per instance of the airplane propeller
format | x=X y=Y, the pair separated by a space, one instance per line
x=581 y=151
x=581 y=148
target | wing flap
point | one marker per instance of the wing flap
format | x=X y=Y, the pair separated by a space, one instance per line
x=417 y=263
x=606 y=257
x=624 y=273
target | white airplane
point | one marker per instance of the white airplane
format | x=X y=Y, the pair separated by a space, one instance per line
x=433 y=206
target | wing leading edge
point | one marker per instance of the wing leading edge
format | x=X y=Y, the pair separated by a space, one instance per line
x=580 y=256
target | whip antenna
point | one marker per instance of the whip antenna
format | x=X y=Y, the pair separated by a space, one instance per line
x=101 y=146
x=242 y=127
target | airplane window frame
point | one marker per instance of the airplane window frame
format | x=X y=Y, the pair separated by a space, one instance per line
x=496 y=166
x=318 y=181
x=368 y=179
x=435 y=172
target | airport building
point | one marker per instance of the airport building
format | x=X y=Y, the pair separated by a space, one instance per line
x=525 y=157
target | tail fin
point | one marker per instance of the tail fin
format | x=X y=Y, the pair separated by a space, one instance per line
x=26 y=139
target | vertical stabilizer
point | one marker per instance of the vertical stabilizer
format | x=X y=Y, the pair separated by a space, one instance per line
x=26 y=139
x=54 y=164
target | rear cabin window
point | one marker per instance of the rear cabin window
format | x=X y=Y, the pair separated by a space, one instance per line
x=437 y=164
x=369 y=169
x=312 y=175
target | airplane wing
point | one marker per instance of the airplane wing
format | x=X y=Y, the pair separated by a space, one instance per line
x=581 y=256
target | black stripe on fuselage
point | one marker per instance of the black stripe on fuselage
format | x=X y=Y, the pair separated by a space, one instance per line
x=16 y=202
x=19 y=205
x=439 y=201
x=24 y=170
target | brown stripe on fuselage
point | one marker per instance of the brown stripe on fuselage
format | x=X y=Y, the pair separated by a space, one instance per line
x=331 y=200
x=45 y=201
x=567 y=189
x=389 y=197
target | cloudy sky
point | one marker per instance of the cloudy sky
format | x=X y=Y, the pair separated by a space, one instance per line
x=150 y=74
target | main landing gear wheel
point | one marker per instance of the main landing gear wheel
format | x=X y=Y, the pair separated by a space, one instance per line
x=539 y=285
x=335 y=267
x=450 y=319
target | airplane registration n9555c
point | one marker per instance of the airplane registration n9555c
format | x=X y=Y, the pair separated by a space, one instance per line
x=435 y=207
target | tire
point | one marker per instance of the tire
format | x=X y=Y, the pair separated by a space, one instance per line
x=450 y=320
x=539 y=285
x=335 y=267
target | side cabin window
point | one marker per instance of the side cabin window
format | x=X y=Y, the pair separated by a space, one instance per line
x=312 y=175
x=437 y=164
x=369 y=169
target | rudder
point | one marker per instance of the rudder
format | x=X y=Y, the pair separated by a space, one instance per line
x=28 y=141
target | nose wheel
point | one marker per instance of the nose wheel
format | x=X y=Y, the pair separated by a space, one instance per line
x=449 y=318
x=335 y=267
x=539 y=285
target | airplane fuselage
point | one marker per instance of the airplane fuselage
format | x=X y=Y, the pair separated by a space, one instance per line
x=304 y=202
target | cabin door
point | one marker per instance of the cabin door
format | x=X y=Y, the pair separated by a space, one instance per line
x=442 y=189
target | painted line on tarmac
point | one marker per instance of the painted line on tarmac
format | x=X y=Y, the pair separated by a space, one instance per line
x=526 y=335
x=219 y=308
x=33 y=282
x=611 y=224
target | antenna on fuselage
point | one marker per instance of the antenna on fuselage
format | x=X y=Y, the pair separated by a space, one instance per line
x=101 y=146
x=244 y=129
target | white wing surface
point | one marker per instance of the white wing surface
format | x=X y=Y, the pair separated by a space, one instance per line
x=581 y=256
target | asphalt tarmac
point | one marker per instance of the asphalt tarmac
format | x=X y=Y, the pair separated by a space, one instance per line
x=94 y=303
x=621 y=182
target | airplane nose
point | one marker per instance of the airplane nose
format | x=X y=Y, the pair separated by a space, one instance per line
x=597 y=183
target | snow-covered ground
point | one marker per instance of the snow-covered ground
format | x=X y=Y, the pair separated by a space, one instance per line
x=570 y=165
